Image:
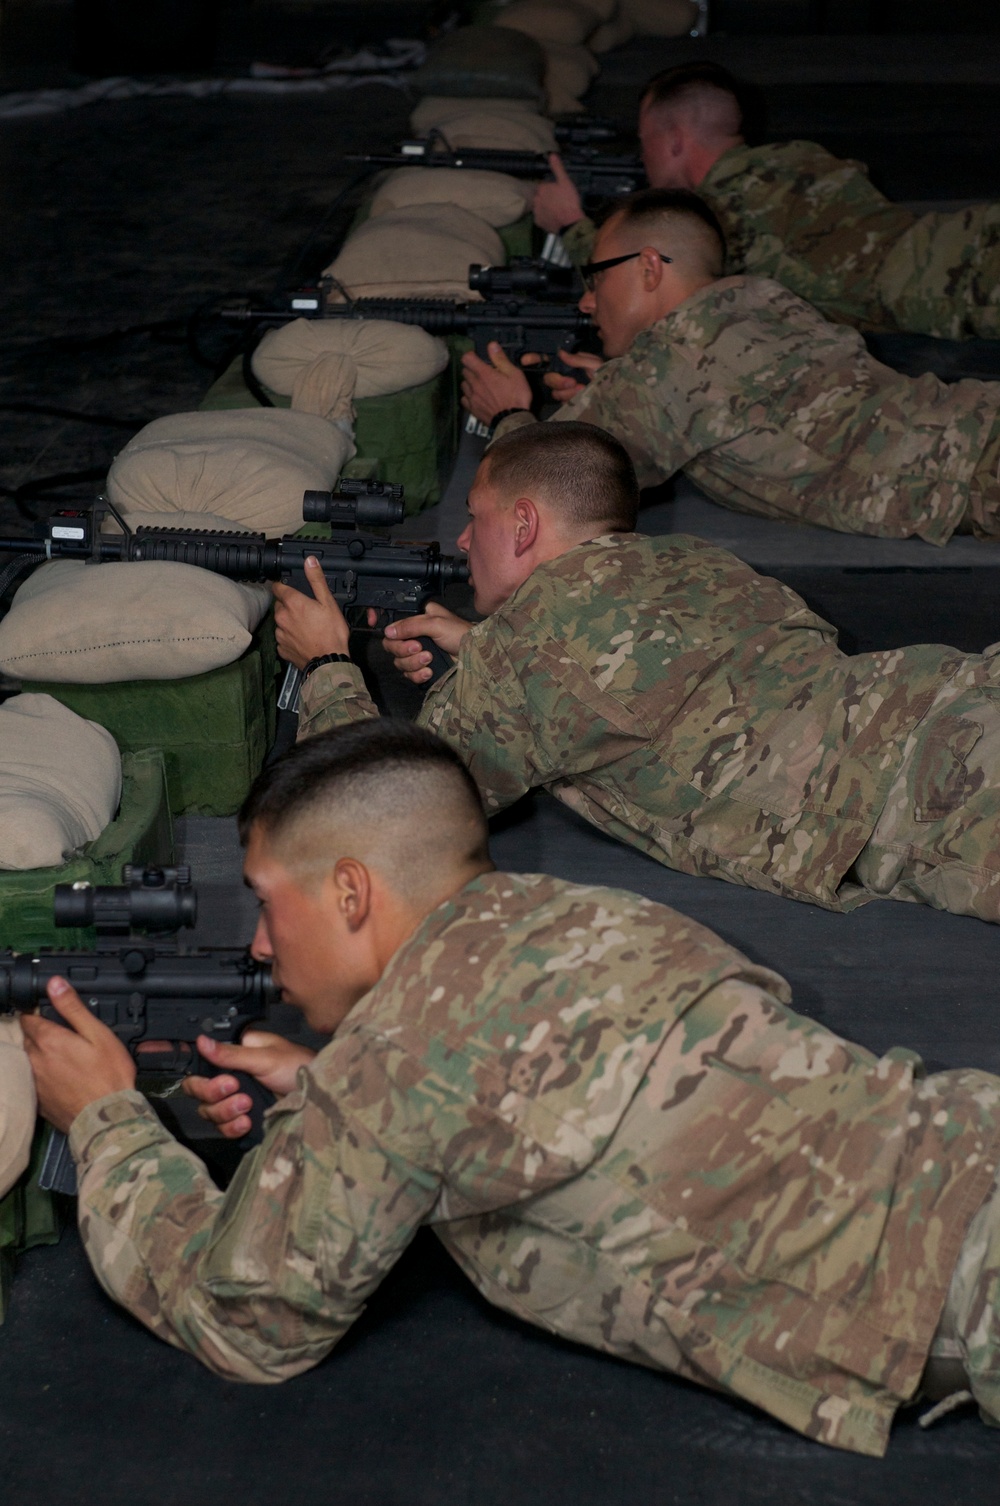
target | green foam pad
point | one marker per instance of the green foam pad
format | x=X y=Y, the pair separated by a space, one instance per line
x=140 y=833
x=214 y=729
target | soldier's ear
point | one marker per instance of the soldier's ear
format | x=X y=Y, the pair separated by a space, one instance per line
x=653 y=266
x=351 y=892
x=525 y=525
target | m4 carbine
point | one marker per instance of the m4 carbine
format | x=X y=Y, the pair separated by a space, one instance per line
x=156 y=995
x=362 y=570
x=522 y=325
x=596 y=175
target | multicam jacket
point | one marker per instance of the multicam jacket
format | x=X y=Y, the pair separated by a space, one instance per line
x=817 y=224
x=772 y=410
x=620 y=1131
x=682 y=703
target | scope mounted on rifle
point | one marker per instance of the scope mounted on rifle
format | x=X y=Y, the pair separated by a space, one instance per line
x=356 y=504
x=525 y=274
x=148 y=899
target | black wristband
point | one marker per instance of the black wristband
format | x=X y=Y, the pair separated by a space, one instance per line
x=320 y=659
x=504 y=413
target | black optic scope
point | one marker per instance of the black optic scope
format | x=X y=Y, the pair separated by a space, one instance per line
x=524 y=274
x=361 y=504
x=150 y=899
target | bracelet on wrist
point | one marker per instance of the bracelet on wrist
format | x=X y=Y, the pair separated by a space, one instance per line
x=499 y=417
x=321 y=659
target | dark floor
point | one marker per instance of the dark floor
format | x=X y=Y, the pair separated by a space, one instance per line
x=135 y=215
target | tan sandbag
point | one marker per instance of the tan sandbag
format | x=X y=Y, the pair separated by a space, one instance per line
x=602 y=10
x=17 y=1102
x=493 y=197
x=485 y=123
x=60 y=776
x=548 y=20
x=308 y=359
x=504 y=64
x=614 y=33
x=434 y=108
x=661 y=18
x=568 y=73
x=423 y=251
x=96 y=624
x=249 y=464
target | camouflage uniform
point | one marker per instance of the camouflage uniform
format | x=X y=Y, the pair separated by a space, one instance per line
x=621 y=1132
x=772 y=410
x=701 y=712
x=817 y=224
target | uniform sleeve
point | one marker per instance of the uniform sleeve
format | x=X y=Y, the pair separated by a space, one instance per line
x=261 y=1281
x=526 y=714
x=579 y=241
x=332 y=696
x=637 y=399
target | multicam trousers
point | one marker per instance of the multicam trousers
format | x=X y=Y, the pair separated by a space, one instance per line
x=966 y=1348
x=982 y=516
x=937 y=840
x=942 y=277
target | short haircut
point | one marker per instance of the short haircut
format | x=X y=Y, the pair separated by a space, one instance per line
x=384 y=791
x=581 y=471
x=658 y=212
x=734 y=103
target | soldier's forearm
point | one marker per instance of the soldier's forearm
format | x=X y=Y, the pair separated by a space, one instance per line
x=150 y=1216
x=333 y=696
x=514 y=421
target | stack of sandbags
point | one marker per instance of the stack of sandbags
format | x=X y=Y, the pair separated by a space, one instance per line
x=570 y=32
x=250 y=466
x=321 y=365
x=60 y=782
x=73 y=623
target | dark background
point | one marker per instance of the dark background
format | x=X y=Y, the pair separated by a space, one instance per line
x=121 y=220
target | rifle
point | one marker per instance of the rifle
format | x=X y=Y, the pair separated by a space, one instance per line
x=519 y=324
x=144 y=985
x=362 y=570
x=596 y=174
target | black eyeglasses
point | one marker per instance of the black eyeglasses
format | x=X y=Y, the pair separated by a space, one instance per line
x=590 y=269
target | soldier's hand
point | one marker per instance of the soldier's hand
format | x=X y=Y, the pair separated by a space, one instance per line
x=488 y=387
x=271 y=1059
x=556 y=205
x=308 y=626
x=77 y=1066
x=402 y=640
x=564 y=387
